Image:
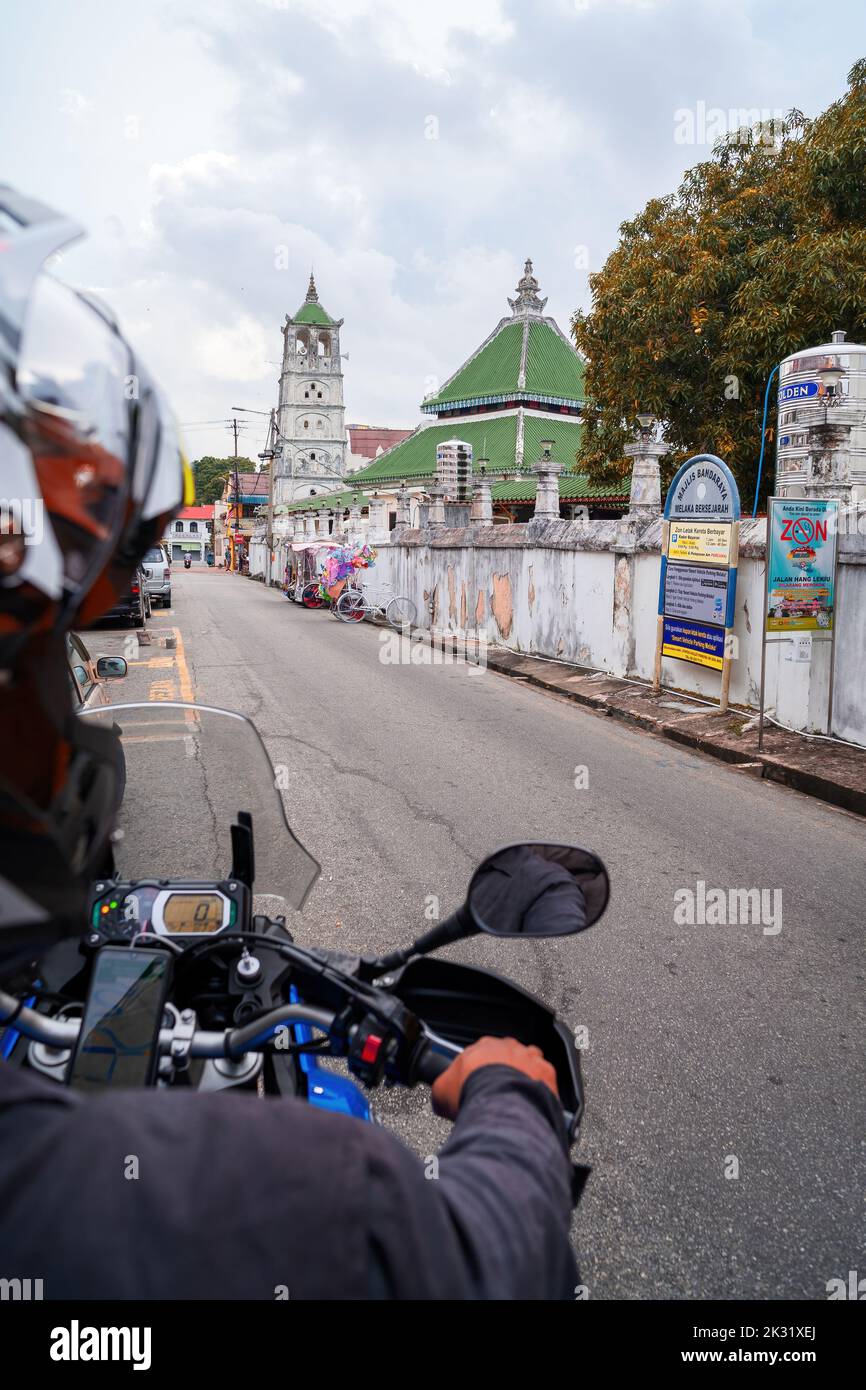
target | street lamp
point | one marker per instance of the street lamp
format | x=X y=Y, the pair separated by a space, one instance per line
x=646 y=421
x=831 y=375
x=547 y=449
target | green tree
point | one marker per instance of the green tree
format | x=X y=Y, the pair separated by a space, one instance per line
x=210 y=475
x=762 y=250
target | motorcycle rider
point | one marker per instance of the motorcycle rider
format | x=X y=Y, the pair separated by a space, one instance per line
x=232 y=1197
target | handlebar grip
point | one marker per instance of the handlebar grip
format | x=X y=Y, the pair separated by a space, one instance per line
x=430 y=1064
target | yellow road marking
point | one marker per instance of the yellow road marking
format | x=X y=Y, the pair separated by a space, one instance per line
x=187 y=688
x=155 y=738
x=167 y=689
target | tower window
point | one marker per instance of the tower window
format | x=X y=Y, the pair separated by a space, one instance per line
x=306 y=424
x=312 y=456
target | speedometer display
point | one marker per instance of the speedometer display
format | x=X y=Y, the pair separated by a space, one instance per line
x=193 y=912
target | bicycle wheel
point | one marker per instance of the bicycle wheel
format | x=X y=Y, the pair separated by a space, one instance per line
x=310 y=598
x=351 y=606
x=400 y=612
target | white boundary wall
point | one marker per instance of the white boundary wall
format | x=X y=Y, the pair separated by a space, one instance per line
x=587 y=593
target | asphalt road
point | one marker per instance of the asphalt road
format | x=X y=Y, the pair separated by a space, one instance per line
x=712 y=1049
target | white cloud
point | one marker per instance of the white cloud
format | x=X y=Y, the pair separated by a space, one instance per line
x=275 y=135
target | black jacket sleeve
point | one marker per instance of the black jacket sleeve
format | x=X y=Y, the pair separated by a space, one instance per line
x=489 y=1218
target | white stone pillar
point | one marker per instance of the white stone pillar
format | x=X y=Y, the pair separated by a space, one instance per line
x=481 y=511
x=645 y=498
x=547 y=490
x=437 y=504
x=378 y=530
x=355 y=528
x=404 y=507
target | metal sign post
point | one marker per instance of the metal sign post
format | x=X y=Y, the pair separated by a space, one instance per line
x=698 y=580
x=800 y=594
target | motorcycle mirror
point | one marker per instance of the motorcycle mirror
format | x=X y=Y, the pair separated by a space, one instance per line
x=538 y=889
x=532 y=889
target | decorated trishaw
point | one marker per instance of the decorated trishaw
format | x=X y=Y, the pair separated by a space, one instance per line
x=317 y=572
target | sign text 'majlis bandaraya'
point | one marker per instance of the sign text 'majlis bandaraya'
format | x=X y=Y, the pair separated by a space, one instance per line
x=702 y=491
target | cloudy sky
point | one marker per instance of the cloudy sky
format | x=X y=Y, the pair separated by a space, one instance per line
x=413 y=151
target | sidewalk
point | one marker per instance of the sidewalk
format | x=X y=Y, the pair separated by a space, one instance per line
x=831 y=771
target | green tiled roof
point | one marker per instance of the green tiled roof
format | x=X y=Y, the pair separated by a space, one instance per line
x=554 y=372
x=313 y=313
x=333 y=500
x=573 y=487
x=565 y=433
x=492 y=371
x=492 y=436
x=553 y=367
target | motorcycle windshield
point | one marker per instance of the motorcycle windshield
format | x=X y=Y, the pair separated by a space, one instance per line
x=189 y=770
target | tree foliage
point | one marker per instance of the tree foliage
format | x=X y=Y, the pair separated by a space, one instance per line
x=210 y=475
x=761 y=251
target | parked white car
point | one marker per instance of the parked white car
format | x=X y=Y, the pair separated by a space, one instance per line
x=157 y=572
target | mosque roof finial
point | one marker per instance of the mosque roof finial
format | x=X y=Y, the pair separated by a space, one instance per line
x=527 y=301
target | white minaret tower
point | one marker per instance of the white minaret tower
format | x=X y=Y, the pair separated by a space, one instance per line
x=310 y=412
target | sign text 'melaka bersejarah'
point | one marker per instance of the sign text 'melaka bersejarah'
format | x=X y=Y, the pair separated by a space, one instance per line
x=702 y=492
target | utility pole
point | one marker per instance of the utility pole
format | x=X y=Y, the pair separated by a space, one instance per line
x=269 y=454
x=269 y=530
x=235 y=525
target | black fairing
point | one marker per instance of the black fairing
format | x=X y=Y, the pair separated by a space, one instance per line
x=463 y=1003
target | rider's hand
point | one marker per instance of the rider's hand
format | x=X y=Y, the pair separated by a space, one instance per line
x=488 y=1052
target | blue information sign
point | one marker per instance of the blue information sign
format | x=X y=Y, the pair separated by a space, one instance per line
x=691 y=641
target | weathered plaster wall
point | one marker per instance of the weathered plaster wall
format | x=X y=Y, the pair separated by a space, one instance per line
x=587 y=592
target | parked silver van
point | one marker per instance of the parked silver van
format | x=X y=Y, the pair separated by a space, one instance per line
x=157 y=572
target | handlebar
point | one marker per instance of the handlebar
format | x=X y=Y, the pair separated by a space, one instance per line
x=63 y=1033
x=430 y=1064
x=233 y=1042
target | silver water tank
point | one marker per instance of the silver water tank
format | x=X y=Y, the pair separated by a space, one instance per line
x=821 y=422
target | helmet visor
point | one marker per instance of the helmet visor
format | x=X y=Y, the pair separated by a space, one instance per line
x=76 y=382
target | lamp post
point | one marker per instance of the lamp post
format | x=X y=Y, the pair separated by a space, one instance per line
x=831 y=374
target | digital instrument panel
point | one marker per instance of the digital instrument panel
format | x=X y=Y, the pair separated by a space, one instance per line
x=168 y=909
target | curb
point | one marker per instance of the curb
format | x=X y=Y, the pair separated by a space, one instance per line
x=766 y=765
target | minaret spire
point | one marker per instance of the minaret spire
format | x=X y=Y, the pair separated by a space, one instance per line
x=527 y=301
x=312 y=292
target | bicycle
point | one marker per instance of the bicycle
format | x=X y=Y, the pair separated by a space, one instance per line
x=354 y=605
